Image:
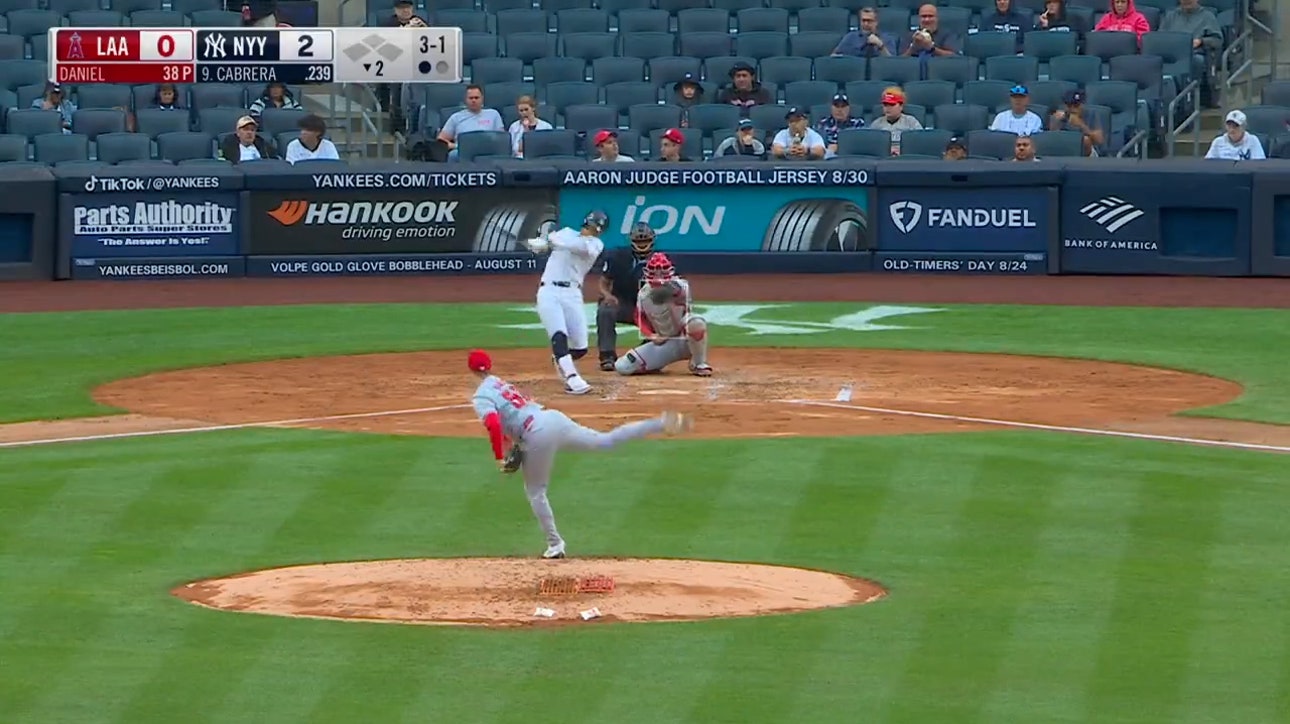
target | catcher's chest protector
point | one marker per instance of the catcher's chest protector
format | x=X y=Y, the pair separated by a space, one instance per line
x=668 y=316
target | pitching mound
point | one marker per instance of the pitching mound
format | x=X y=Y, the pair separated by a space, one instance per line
x=427 y=393
x=520 y=592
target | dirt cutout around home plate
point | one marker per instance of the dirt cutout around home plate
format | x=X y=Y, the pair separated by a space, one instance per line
x=508 y=592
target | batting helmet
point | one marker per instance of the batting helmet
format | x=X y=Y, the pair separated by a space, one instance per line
x=642 y=238
x=659 y=270
x=597 y=221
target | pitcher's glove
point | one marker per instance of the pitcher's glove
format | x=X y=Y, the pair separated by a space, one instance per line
x=664 y=294
x=514 y=458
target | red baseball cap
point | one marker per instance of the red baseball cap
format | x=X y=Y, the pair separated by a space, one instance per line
x=479 y=361
x=891 y=98
x=674 y=135
x=603 y=136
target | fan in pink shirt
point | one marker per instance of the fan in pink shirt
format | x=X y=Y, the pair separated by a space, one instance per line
x=1125 y=18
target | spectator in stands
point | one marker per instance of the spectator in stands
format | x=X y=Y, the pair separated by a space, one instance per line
x=955 y=150
x=743 y=143
x=687 y=93
x=799 y=141
x=894 y=119
x=1006 y=19
x=246 y=144
x=474 y=117
x=1124 y=17
x=311 y=144
x=256 y=13
x=606 y=143
x=405 y=16
x=1055 y=19
x=670 y=146
x=840 y=119
x=868 y=41
x=1206 y=40
x=528 y=121
x=1071 y=118
x=1023 y=149
x=930 y=39
x=53 y=100
x=390 y=95
x=1019 y=119
x=275 y=95
x=1236 y=144
x=166 y=98
x=744 y=91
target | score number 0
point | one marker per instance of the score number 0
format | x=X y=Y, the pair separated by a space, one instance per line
x=166 y=47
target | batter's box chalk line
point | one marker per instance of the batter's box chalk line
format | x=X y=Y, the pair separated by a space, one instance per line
x=1045 y=428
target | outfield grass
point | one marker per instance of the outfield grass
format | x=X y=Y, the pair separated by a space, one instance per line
x=1033 y=577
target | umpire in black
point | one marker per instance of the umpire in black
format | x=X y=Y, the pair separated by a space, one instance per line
x=621 y=271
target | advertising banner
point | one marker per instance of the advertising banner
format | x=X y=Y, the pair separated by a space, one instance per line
x=159 y=268
x=966 y=220
x=396 y=220
x=137 y=225
x=393 y=265
x=738 y=219
x=944 y=262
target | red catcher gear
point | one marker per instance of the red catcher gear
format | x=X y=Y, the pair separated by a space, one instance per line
x=659 y=270
x=479 y=361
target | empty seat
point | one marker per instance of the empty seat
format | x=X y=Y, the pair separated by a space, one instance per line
x=649 y=45
x=703 y=20
x=1078 y=69
x=26 y=23
x=17 y=73
x=930 y=93
x=153 y=122
x=995 y=144
x=63 y=7
x=497 y=6
x=813 y=44
x=590 y=117
x=768 y=118
x=806 y=93
x=556 y=142
x=496 y=70
x=215 y=19
x=93 y=121
x=1012 y=68
x=761 y=45
x=477 y=45
x=218 y=95
x=582 y=20
x=782 y=70
x=28 y=94
x=1276 y=93
x=643 y=20
x=608 y=71
x=1107 y=44
x=647 y=117
x=277 y=120
x=865 y=93
x=927 y=142
x=13 y=147
x=32 y=122
x=1175 y=52
x=156 y=19
x=990 y=44
x=501 y=94
x=1059 y=143
x=562 y=94
x=558 y=70
x=12 y=47
x=667 y=70
x=529 y=47
x=994 y=95
x=470 y=21
x=959 y=118
x=219 y=120
x=522 y=20
x=1265 y=120
x=474 y=144
x=95 y=95
x=828 y=20
x=621 y=96
x=702 y=45
x=959 y=70
x=95 y=19
x=710 y=117
x=185 y=145
x=1144 y=71
x=1049 y=92
x=865 y=142
x=676 y=7
x=58 y=147
x=773 y=20
x=898 y=71
x=840 y=69
x=957 y=19
x=129 y=6
x=118 y=147
x=1045 y=46
x=794 y=6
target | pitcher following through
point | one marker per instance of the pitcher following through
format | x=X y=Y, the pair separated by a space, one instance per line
x=537 y=434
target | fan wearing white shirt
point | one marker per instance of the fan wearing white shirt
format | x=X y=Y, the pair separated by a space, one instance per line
x=799 y=140
x=528 y=121
x=311 y=144
x=1018 y=119
x=1237 y=144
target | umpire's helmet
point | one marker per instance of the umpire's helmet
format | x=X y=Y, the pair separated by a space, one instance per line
x=597 y=220
x=642 y=238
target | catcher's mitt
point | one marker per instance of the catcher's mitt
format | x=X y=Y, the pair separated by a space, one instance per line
x=665 y=293
x=514 y=458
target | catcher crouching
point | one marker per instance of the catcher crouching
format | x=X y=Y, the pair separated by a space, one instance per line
x=665 y=315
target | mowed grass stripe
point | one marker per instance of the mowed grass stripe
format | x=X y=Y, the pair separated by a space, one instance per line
x=22 y=496
x=1237 y=670
x=1064 y=601
x=1145 y=649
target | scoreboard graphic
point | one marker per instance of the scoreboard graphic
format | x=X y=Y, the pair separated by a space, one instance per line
x=296 y=56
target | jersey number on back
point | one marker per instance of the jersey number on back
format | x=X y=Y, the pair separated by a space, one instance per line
x=512 y=395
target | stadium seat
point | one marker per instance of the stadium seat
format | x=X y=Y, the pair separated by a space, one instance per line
x=1044 y=46
x=957 y=20
x=615 y=7
x=840 y=69
x=15 y=74
x=562 y=94
x=702 y=20
x=496 y=70
x=152 y=122
x=643 y=20
x=930 y=93
x=665 y=71
x=1276 y=93
x=711 y=117
x=470 y=21
x=865 y=93
x=524 y=20
x=1078 y=69
x=1107 y=44
x=812 y=44
x=57 y=147
x=529 y=47
x=483 y=143
x=555 y=142
x=453 y=4
x=770 y=118
x=215 y=19
x=864 y=142
x=1059 y=143
x=794 y=6
x=784 y=69
x=95 y=95
x=118 y=147
x=219 y=120
x=995 y=144
x=28 y=94
x=754 y=20
x=590 y=117
x=927 y=142
x=897 y=71
x=555 y=69
x=129 y=6
x=156 y=19
x=26 y=23
x=497 y=95
x=277 y=120
x=592 y=46
x=806 y=93
x=63 y=7
x=582 y=20
x=32 y=122
x=959 y=70
x=91 y=122
x=12 y=47
x=826 y=20
x=441 y=95
x=704 y=44
x=497 y=6
x=959 y=118
x=218 y=95
x=645 y=117
x=734 y=6
x=477 y=45
x=990 y=44
x=608 y=71
x=1174 y=50
x=621 y=96
x=1049 y=93
x=676 y=7
x=188 y=7
x=691 y=147
x=1144 y=71
x=1266 y=120
x=1021 y=69
x=95 y=19
x=651 y=45
x=761 y=45
x=13 y=147
x=992 y=94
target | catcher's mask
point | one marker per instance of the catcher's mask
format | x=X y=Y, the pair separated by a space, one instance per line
x=659 y=270
x=642 y=238
x=597 y=221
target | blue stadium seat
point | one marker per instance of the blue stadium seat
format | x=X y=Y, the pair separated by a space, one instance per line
x=1276 y=93
x=794 y=6
x=556 y=142
x=26 y=23
x=645 y=117
x=994 y=95
x=187 y=7
x=126 y=7
x=607 y=71
x=784 y=69
x=39 y=47
x=95 y=19
x=497 y=6
x=521 y=21
x=840 y=69
x=761 y=45
x=27 y=94
x=1057 y=144
x=505 y=94
x=990 y=44
x=805 y=93
x=930 y=93
x=676 y=7
x=734 y=6
x=528 y=47
x=8 y=5
x=12 y=47
x=558 y=69
x=470 y=21
x=755 y=20
x=478 y=45
x=1021 y=69
x=691 y=146
x=643 y=20
x=959 y=118
x=704 y=44
x=621 y=96
x=1146 y=72
x=865 y=142
x=828 y=20
x=582 y=20
x=496 y=70
x=215 y=19
x=93 y=121
x=1263 y=120
x=710 y=117
x=702 y=20
x=1045 y=46
x=898 y=71
x=32 y=122
x=1078 y=69
x=276 y=120
x=1175 y=52
x=959 y=70
x=118 y=147
x=1122 y=98
x=590 y=46
x=957 y=20
x=813 y=44
x=13 y=147
x=1049 y=92
x=59 y=147
x=1108 y=44
x=555 y=6
x=616 y=7
x=153 y=122
x=483 y=143
x=995 y=144
x=218 y=95
x=667 y=70
x=769 y=117
x=156 y=19
x=562 y=94
x=927 y=142
x=219 y=120
x=865 y=93
x=590 y=117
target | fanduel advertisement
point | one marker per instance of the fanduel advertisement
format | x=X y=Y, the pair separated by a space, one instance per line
x=130 y=225
x=961 y=220
x=749 y=218
x=397 y=221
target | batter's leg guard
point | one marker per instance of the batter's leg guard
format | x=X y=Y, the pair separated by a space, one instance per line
x=696 y=331
x=630 y=364
x=563 y=360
